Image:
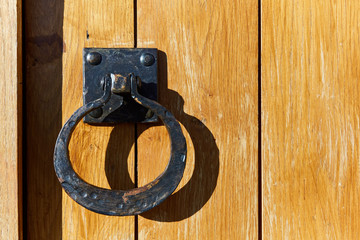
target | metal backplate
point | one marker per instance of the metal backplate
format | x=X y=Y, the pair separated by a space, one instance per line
x=98 y=62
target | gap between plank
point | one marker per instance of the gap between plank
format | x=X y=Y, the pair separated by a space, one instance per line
x=136 y=218
x=259 y=125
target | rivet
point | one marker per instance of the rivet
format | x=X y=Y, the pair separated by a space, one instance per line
x=147 y=59
x=96 y=113
x=94 y=58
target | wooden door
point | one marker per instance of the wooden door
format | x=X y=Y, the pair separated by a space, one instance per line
x=310 y=119
x=208 y=73
x=266 y=93
x=11 y=120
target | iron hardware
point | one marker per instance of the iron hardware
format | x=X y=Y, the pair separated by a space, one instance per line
x=113 y=85
x=97 y=62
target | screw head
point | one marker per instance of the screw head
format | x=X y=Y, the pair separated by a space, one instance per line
x=147 y=59
x=94 y=58
x=96 y=113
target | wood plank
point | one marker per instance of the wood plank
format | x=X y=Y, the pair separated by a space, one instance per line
x=209 y=80
x=43 y=79
x=11 y=120
x=94 y=23
x=310 y=119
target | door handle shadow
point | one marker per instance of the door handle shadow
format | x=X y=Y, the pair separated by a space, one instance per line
x=196 y=192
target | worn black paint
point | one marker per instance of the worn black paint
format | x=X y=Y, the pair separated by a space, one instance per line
x=119 y=202
x=120 y=61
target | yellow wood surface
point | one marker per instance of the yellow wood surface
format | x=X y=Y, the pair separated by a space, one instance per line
x=11 y=120
x=102 y=156
x=209 y=81
x=310 y=119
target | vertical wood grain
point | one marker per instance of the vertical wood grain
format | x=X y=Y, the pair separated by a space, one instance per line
x=11 y=120
x=209 y=80
x=310 y=119
x=42 y=120
x=100 y=155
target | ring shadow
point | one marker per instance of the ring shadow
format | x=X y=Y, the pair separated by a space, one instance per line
x=198 y=190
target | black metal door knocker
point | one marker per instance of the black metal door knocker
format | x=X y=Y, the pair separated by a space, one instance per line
x=111 y=78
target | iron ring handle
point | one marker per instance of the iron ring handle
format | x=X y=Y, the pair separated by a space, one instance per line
x=121 y=202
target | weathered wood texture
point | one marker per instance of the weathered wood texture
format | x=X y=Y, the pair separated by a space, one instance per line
x=98 y=154
x=11 y=120
x=209 y=80
x=43 y=78
x=310 y=119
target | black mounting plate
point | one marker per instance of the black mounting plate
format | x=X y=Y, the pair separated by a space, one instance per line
x=123 y=61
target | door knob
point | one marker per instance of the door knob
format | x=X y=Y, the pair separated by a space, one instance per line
x=121 y=202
